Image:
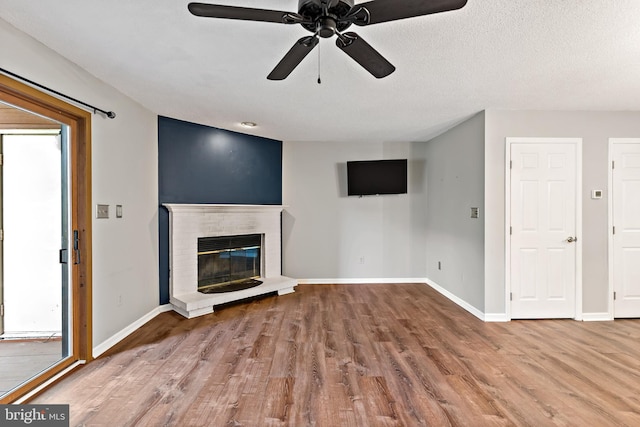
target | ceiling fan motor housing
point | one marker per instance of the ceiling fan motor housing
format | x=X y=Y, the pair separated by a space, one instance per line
x=329 y=24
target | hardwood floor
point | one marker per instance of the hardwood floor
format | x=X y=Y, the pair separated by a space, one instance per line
x=360 y=355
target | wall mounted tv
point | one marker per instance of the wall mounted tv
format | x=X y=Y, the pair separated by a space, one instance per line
x=373 y=177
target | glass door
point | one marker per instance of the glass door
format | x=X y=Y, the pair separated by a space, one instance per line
x=52 y=249
x=35 y=242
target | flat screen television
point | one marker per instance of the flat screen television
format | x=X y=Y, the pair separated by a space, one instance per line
x=373 y=177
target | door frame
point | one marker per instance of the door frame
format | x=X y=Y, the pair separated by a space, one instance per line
x=610 y=223
x=507 y=216
x=79 y=121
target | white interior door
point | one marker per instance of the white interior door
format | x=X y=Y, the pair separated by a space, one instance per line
x=626 y=221
x=543 y=207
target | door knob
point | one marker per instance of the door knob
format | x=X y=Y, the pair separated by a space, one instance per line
x=571 y=239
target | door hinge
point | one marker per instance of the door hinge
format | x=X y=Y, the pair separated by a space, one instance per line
x=510 y=230
x=510 y=164
x=614 y=229
x=614 y=296
x=510 y=296
x=1 y=310
x=1 y=235
x=613 y=164
x=1 y=159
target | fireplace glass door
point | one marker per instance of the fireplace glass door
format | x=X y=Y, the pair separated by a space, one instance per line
x=228 y=259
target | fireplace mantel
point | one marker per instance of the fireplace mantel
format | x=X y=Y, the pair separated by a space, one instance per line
x=188 y=222
x=204 y=208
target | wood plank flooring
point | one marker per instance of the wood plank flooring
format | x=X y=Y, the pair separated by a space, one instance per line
x=360 y=355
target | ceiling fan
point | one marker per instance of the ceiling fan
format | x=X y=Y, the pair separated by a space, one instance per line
x=326 y=18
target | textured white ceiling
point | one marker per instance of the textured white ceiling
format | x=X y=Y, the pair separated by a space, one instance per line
x=503 y=54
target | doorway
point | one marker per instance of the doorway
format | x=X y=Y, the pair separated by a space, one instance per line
x=543 y=233
x=46 y=229
x=34 y=332
x=624 y=236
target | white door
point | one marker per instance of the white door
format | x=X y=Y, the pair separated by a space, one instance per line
x=626 y=221
x=543 y=208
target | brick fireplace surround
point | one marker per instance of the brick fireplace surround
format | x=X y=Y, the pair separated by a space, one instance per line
x=188 y=222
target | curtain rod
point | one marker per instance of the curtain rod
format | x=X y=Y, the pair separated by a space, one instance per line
x=109 y=114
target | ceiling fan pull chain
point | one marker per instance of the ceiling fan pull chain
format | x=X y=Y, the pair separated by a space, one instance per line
x=319 y=81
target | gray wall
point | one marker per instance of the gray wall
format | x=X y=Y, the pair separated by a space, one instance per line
x=595 y=128
x=326 y=233
x=124 y=171
x=455 y=183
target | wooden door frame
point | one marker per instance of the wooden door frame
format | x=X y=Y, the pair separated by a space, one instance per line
x=610 y=306
x=79 y=121
x=507 y=216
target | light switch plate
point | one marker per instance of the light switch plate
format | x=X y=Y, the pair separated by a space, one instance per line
x=596 y=194
x=102 y=211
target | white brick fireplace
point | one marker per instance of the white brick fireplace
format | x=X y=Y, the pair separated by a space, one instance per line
x=188 y=222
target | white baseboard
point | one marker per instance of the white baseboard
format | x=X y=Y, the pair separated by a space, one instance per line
x=119 y=336
x=358 y=281
x=462 y=303
x=596 y=317
x=496 y=317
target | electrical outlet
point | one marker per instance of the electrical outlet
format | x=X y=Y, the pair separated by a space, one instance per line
x=361 y=260
x=118 y=211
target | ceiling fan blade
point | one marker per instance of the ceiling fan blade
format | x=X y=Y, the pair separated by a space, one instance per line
x=392 y=10
x=294 y=57
x=244 y=13
x=362 y=52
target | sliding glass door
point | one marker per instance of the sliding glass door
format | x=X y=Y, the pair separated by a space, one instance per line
x=35 y=253
x=45 y=238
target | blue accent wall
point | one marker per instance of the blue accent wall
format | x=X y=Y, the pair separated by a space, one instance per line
x=201 y=164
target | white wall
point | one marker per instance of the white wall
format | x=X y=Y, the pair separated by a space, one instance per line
x=326 y=234
x=455 y=184
x=594 y=128
x=124 y=163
